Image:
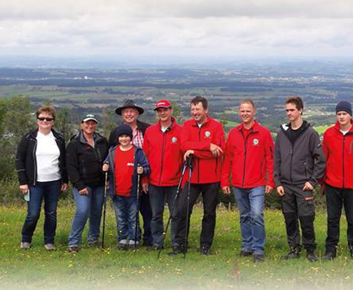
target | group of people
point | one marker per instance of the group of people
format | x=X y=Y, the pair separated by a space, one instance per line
x=148 y=166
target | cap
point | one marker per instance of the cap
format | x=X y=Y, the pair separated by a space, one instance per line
x=162 y=104
x=89 y=117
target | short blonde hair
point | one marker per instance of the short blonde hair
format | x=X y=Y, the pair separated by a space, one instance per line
x=46 y=109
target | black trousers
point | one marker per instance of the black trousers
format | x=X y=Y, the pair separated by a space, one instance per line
x=335 y=199
x=209 y=193
x=298 y=206
x=146 y=212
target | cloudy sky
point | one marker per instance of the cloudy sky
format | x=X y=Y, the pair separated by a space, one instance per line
x=177 y=28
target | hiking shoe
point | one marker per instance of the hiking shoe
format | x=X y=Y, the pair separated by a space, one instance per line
x=245 y=253
x=310 y=255
x=25 y=245
x=155 y=247
x=49 y=247
x=94 y=243
x=177 y=250
x=147 y=244
x=329 y=255
x=133 y=245
x=73 y=249
x=205 y=250
x=258 y=258
x=122 y=245
x=293 y=253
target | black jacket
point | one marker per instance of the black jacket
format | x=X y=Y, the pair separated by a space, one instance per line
x=113 y=138
x=84 y=163
x=26 y=161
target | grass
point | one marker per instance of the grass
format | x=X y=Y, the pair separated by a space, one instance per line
x=93 y=268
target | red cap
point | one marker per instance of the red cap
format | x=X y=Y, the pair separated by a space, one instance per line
x=163 y=104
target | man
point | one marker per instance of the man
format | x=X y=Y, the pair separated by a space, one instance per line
x=299 y=165
x=162 y=148
x=249 y=160
x=202 y=138
x=338 y=148
x=129 y=113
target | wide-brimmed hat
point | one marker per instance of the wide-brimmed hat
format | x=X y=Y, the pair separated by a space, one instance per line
x=129 y=104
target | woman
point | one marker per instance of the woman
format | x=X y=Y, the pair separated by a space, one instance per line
x=85 y=155
x=40 y=164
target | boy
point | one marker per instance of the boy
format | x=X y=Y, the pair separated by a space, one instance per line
x=125 y=163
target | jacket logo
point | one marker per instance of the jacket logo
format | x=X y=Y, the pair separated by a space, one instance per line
x=174 y=139
x=255 y=142
x=130 y=164
x=207 y=134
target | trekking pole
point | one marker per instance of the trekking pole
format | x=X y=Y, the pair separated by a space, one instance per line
x=104 y=205
x=171 y=214
x=137 y=206
x=188 y=204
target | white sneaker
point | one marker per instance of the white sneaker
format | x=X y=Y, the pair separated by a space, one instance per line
x=25 y=245
x=49 y=247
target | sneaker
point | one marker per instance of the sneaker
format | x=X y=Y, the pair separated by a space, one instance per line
x=122 y=245
x=205 y=250
x=25 y=245
x=329 y=255
x=73 y=249
x=245 y=253
x=258 y=258
x=310 y=255
x=94 y=243
x=293 y=253
x=133 y=245
x=49 y=247
x=177 y=250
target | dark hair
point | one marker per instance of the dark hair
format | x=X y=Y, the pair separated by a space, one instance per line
x=297 y=101
x=248 y=101
x=46 y=109
x=201 y=100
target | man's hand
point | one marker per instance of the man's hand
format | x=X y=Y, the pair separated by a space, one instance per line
x=24 y=189
x=64 y=187
x=83 y=191
x=105 y=167
x=145 y=187
x=280 y=190
x=308 y=186
x=187 y=154
x=268 y=189
x=139 y=170
x=226 y=190
x=216 y=150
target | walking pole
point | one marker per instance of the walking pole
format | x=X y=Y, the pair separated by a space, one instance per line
x=104 y=205
x=137 y=206
x=171 y=214
x=188 y=204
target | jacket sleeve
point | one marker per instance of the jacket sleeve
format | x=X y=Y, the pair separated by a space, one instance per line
x=277 y=163
x=319 y=159
x=73 y=166
x=64 y=176
x=326 y=150
x=227 y=162
x=269 y=159
x=142 y=160
x=21 y=160
x=146 y=150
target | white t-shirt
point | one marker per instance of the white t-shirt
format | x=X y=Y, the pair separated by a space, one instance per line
x=47 y=155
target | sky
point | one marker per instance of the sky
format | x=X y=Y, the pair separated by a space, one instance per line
x=177 y=28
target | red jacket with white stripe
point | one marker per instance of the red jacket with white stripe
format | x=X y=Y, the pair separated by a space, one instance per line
x=249 y=160
x=338 y=149
x=164 y=154
x=206 y=168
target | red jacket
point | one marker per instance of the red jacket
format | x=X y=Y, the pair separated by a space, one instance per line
x=206 y=168
x=248 y=159
x=164 y=154
x=338 y=149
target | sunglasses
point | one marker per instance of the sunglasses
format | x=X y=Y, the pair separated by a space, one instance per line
x=48 y=119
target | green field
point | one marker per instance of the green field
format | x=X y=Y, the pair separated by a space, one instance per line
x=93 y=268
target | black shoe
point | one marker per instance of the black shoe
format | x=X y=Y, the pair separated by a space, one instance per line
x=205 y=250
x=177 y=250
x=258 y=258
x=293 y=253
x=147 y=244
x=245 y=253
x=310 y=255
x=155 y=247
x=329 y=255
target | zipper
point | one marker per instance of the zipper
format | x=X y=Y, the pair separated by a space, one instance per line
x=35 y=162
x=343 y=147
x=162 y=154
x=291 y=162
x=198 y=159
x=245 y=153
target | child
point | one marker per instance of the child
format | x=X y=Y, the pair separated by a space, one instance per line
x=125 y=162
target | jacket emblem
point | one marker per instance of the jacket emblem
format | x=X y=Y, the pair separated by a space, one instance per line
x=207 y=134
x=255 y=142
x=174 y=139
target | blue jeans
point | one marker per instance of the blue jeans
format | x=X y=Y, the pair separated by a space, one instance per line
x=158 y=196
x=125 y=208
x=251 y=210
x=87 y=206
x=49 y=191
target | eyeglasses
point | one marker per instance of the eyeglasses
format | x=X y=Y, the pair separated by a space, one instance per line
x=48 y=119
